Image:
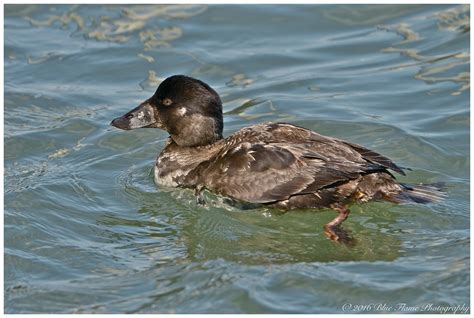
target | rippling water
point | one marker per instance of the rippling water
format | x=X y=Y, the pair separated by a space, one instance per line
x=87 y=231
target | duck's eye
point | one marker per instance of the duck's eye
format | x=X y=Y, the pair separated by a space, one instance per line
x=167 y=102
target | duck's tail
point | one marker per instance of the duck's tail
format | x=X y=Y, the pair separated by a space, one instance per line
x=421 y=193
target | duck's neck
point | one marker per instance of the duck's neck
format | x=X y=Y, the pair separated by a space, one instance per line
x=196 y=140
x=175 y=163
x=197 y=130
x=186 y=154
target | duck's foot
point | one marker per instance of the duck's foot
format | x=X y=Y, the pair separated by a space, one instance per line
x=338 y=234
x=333 y=229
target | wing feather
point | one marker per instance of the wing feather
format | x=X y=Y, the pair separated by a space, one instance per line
x=272 y=162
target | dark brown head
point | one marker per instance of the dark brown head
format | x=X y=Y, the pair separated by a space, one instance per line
x=188 y=109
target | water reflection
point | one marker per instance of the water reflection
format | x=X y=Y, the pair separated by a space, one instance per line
x=251 y=236
x=438 y=68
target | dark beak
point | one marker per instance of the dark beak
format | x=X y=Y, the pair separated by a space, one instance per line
x=140 y=117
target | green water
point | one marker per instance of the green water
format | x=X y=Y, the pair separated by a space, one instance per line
x=87 y=231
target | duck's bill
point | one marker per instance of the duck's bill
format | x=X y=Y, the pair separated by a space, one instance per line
x=141 y=117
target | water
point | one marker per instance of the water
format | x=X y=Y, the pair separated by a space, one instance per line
x=87 y=231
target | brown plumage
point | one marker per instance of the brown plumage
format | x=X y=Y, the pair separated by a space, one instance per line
x=271 y=163
x=275 y=164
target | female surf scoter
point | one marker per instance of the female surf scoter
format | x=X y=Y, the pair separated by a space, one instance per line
x=274 y=164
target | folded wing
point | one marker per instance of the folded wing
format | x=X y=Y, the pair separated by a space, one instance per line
x=289 y=161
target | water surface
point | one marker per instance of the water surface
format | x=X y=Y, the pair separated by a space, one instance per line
x=87 y=231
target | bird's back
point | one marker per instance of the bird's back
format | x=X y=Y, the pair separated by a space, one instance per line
x=275 y=162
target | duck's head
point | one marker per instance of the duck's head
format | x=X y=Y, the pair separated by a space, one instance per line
x=187 y=108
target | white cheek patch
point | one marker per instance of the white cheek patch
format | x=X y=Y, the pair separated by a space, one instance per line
x=182 y=111
x=138 y=121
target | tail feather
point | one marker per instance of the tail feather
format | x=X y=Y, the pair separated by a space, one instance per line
x=423 y=193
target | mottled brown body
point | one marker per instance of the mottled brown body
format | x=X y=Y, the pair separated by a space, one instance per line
x=281 y=165
x=274 y=164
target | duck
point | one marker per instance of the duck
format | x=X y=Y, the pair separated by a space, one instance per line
x=273 y=164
